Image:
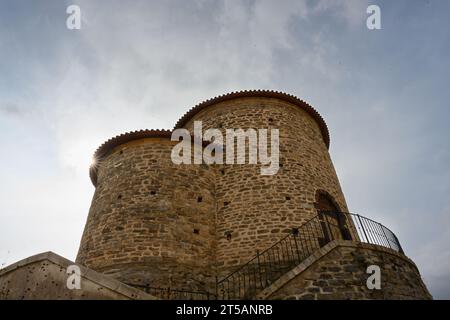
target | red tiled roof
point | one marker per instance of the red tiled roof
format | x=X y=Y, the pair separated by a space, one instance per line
x=259 y=93
x=141 y=134
x=121 y=139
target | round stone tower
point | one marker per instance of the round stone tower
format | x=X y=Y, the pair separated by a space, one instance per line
x=151 y=222
x=254 y=210
x=185 y=226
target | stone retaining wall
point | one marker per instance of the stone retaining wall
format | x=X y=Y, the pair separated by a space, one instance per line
x=338 y=271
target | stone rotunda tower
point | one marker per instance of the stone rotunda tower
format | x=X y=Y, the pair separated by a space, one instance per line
x=225 y=230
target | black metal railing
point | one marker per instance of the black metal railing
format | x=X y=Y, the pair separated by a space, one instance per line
x=167 y=293
x=267 y=266
x=370 y=231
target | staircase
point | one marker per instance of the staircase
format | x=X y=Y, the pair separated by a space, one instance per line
x=269 y=265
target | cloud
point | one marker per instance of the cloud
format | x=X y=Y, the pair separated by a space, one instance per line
x=11 y=109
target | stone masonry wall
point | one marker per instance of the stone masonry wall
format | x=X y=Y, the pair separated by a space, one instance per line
x=258 y=210
x=151 y=221
x=341 y=274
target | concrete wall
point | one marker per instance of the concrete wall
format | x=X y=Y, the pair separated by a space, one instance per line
x=44 y=276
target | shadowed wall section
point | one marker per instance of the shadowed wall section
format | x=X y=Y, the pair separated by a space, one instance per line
x=151 y=222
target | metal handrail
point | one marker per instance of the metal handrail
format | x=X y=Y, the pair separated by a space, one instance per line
x=268 y=265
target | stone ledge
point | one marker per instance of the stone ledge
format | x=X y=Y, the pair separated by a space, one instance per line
x=322 y=252
x=86 y=273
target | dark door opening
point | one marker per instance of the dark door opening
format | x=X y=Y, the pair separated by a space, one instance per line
x=332 y=220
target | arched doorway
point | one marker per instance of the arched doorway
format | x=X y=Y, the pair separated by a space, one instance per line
x=333 y=222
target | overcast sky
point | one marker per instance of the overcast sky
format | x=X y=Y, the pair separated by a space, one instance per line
x=141 y=64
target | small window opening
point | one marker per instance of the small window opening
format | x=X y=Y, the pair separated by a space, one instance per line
x=199 y=199
x=196 y=231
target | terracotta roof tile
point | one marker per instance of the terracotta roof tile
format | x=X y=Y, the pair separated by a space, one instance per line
x=141 y=134
x=258 y=93
x=121 y=139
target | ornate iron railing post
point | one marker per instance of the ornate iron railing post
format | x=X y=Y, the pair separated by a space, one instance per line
x=217 y=288
x=259 y=269
x=295 y=233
